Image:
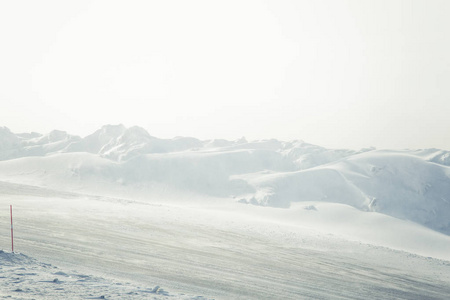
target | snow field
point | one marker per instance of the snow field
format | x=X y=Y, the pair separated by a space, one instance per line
x=23 y=277
x=229 y=250
x=220 y=219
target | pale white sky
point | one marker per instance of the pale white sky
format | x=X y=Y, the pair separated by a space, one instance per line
x=335 y=73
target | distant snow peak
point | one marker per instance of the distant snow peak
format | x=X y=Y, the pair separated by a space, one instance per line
x=4 y=131
x=111 y=130
x=134 y=134
x=242 y=140
x=57 y=135
x=8 y=140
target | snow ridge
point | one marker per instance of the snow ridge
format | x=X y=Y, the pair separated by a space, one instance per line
x=118 y=143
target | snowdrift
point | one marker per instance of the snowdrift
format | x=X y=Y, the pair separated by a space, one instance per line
x=412 y=185
x=24 y=277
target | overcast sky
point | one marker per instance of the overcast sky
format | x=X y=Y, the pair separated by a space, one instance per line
x=335 y=73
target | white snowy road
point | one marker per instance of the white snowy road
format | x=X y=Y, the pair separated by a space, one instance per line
x=216 y=252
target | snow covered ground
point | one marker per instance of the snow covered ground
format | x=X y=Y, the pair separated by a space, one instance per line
x=26 y=278
x=120 y=213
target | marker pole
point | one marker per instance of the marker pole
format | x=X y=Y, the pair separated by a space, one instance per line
x=12 y=235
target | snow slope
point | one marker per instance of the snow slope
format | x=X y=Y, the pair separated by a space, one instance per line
x=224 y=219
x=411 y=185
x=24 y=277
x=394 y=183
x=226 y=250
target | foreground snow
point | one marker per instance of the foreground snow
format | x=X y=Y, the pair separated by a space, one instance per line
x=23 y=277
x=219 y=250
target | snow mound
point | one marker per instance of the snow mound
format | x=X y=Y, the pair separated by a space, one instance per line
x=24 y=277
x=10 y=259
x=398 y=184
x=438 y=156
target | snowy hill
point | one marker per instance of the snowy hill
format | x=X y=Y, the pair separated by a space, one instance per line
x=223 y=219
x=411 y=185
x=398 y=184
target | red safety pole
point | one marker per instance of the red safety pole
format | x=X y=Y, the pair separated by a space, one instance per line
x=12 y=235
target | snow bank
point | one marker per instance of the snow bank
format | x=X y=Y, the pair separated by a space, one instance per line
x=24 y=277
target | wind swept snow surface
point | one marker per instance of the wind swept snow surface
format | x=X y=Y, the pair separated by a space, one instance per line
x=23 y=277
x=221 y=252
x=221 y=219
